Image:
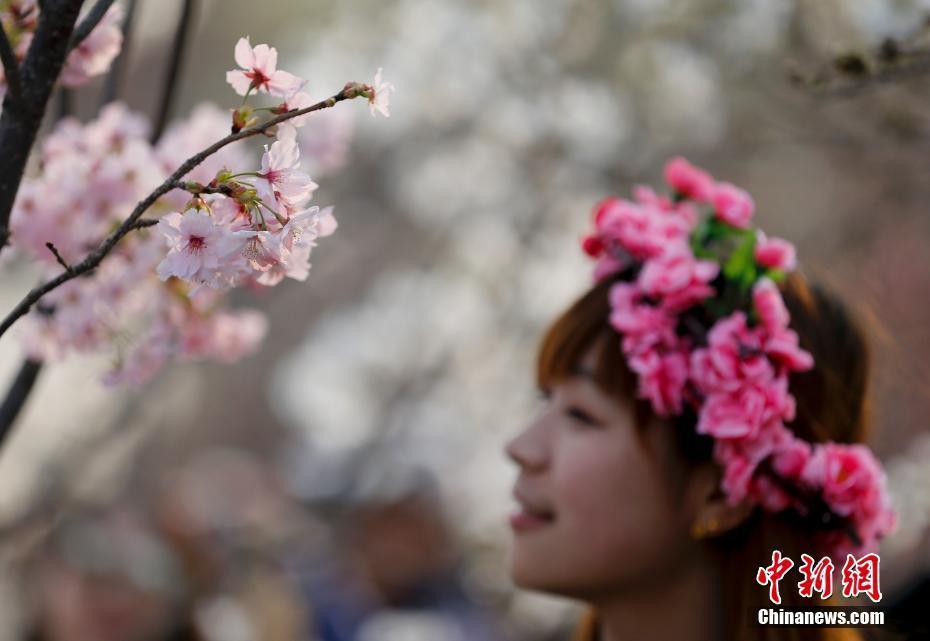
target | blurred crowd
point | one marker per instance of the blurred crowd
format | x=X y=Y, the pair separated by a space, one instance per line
x=219 y=551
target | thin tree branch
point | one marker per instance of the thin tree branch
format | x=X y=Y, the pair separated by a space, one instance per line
x=115 y=78
x=92 y=260
x=89 y=23
x=61 y=261
x=197 y=188
x=38 y=73
x=17 y=395
x=144 y=223
x=11 y=68
x=181 y=39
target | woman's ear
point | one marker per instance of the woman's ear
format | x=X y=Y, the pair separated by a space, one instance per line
x=710 y=512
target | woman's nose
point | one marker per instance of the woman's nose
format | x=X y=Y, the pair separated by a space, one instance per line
x=528 y=449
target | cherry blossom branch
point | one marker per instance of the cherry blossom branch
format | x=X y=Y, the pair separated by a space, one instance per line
x=11 y=68
x=144 y=224
x=197 y=189
x=38 y=73
x=93 y=259
x=91 y=20
x=17 y=394
x=181 y=38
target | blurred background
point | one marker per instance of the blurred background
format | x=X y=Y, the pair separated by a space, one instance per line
x=347 y=482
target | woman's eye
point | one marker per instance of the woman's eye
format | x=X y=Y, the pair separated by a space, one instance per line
x=582 y=416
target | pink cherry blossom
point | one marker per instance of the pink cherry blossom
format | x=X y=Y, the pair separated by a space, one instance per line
x=225 y=336
x=296 y=100
x=200 y=251
x=262 y=249
x=733 y=205
x=280 y=182
x=306 y=226
x=94 y=55
x=775 y=253
x=159 y=296
x=145 y=358
x=285 y=252
x=380 y=95
x=260 y=71
x=689 y=181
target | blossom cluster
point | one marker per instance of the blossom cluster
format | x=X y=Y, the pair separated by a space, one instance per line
x=160 y=294
x=91 y=176
x=91 y=57
x=705 y=328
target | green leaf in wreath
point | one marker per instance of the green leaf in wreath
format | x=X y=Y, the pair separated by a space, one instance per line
x=741 y=264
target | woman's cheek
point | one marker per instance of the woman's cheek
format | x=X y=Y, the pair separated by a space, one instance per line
x=613 y=501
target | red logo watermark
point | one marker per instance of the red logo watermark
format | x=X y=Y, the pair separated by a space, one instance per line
x=859 y=576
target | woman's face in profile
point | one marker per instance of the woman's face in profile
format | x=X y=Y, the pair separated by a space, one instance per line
x=596 y=507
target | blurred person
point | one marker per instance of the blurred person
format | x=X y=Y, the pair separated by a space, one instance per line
x=635 y=495
x=395 y=574
x=108 y=576
x=228 y=519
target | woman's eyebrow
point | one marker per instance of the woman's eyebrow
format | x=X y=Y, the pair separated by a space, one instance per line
x=583 y=372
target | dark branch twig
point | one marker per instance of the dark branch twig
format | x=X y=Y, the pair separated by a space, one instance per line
x=11 y=69
x=92 y=260
x=61 y=261
x=89 y=23
x=181 y=38
x=17 y=395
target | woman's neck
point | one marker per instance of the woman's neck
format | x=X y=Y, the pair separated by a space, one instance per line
x=685 y=607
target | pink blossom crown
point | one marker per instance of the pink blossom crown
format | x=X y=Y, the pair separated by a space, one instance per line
x=705 y=330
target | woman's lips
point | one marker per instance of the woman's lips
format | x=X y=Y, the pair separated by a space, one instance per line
x=530 y=514
x=521 y=520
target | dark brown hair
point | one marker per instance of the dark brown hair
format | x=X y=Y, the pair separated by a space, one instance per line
x=832 y=404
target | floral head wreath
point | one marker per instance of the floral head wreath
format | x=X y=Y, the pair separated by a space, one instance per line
x=705 y=329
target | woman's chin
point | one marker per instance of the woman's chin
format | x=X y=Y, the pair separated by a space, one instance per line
x=534 y=572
